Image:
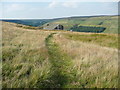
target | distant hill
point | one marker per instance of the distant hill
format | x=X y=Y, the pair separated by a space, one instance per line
x=31 y=22
x=108 y=22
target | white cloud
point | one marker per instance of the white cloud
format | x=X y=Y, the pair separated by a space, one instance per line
x=70 y=4
x=63 y=4
x=13 y=7
x=53 y=4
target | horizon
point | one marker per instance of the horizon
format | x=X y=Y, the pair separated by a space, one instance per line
x=56 y=18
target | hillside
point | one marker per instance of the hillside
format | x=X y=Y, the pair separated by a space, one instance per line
x=110 y=23
x=58 y=59
x=31 y=22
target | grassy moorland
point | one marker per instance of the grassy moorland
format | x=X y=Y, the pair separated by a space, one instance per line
x=25 y=57
x=97 y=23
x=109 y=22
x=44 y=59
x=99 y=39
x=96 y=64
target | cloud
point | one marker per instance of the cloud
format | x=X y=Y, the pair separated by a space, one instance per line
x=14 y=7
x=63 y=4
x=53 y=4
x=70 y=4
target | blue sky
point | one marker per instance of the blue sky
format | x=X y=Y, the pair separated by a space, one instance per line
x=55 y=9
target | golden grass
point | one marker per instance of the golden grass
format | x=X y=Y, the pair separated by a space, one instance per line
x=96 y=66
x=25 y=55
x=27 y=60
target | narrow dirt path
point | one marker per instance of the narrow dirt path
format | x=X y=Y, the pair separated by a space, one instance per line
x=61 y=69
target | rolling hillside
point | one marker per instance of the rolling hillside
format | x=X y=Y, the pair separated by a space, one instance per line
x=58 y=59
x=31 y=22
x=110 y=23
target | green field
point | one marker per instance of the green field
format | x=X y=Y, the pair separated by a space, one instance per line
x=109 y=22
x=58 y=59
x=99 y=39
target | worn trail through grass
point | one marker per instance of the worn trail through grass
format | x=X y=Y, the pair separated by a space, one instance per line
x=61 y=70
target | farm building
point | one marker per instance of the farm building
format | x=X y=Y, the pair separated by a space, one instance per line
x=53 y=27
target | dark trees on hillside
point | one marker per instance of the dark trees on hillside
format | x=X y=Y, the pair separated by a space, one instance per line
x=87 y=29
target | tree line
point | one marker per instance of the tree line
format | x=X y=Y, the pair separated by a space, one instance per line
x=87 y=29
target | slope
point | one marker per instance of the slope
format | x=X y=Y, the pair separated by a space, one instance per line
x=109 y=22
x=47 y=59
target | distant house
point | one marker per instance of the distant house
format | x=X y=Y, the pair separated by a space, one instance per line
x=53 y=27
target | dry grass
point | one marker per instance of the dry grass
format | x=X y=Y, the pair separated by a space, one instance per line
x=29 y=60
x=25 y=57
x=96 y=66
x=106 y=40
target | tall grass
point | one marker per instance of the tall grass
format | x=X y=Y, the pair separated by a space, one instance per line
x=105 y=40
x=97 y=66
x=62 y=72
x=25 y=57
x=41 y=59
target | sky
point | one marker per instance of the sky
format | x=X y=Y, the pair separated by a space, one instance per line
x=48 y=9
